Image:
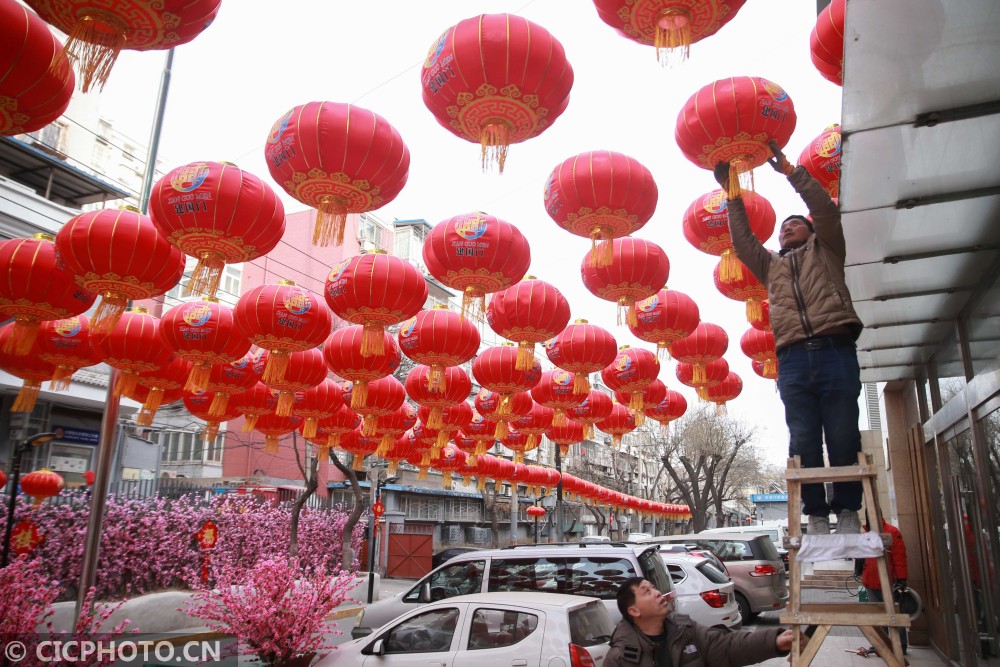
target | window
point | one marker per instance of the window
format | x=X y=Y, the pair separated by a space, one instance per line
x=677 y=574
x=497 y=628
x=417 y=507
x=591 y=576
x=433 y=631
x=590 y=626
x=371 y=233
x=456 y=579
x=464 y=509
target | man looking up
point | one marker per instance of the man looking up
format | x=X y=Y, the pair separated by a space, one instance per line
x=815 y=328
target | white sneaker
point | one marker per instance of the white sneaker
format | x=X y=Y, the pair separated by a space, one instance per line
x=848 y=523
x=818 y=525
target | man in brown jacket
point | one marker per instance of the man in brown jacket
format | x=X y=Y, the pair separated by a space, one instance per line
x=815 y=328
x=651 y=635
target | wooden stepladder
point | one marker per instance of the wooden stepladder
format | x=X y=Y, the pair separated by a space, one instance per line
x=869 y=617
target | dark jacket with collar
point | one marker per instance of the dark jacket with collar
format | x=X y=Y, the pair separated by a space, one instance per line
x=692 y=645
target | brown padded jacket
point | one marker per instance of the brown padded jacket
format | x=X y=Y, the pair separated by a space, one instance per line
x=805 y=286
x=692 y=645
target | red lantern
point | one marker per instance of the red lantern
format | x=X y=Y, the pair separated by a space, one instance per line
x=99 y=29
x=715 y=371
x=438 y=338
x=33 y=95
x=226 y=380
x=203 y=332
x=519 y=443
x=170 y=376
x=707 y=342
x=764 y=322
x=66 y=345
x=255 y=402
x=457 y=387
x=496 y=80
x=555 y=391
x=759 y=346
x=514 y=406
x=282 y=319
x=393 y=425
x=496 y=369
x=29 y=368
x=821 y=158
x=36 y=288
x=531 y=311
x=664 y=318
x=450 y=460
x=758 y=368
x=120 y=255
x=385 y=396
x=344 y=420
x=424 y=443
x=481 y=432
x=273 y=427
x=725 y=391
x=219 y=214
x=359 y=446
x=826 y=42
x=601 y=195
x=342 y=351
x=41 y=484
x=338 y=158
x=568 y=434
x=582 y=348
x=631 y=373
x=597 y=407
x=140 y=394
x=620 y=422
x=746 y=289
x=133 y=346
x=399 y=450
x=673 y=406
x=732 y=120
x=535 y=512
x=453 y=419
x=706 y=226
x=476 y=254
x=638 y=270
x=375 y=290
x=535 y=423
x=650 y=397
x=318 y=402
x=200 y=406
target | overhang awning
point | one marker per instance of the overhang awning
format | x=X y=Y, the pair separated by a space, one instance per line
x=920 y=183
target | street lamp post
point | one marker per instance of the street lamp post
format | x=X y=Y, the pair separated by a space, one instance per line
x=373 y=529
x=15 y=476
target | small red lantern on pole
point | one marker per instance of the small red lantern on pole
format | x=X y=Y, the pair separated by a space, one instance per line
x=42 y=484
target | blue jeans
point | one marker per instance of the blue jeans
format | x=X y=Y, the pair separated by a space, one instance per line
x=820 y=390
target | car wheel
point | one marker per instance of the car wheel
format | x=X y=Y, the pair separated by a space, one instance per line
x=744 y=606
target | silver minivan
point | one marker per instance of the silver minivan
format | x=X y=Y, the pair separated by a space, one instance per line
x=592 y=569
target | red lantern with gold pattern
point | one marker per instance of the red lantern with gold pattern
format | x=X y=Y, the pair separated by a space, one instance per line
x=745 y=288
x=638 y=270
x=42 y=484
x=318 y=402
x=650 y=397
x=597 y=407
x=706 y=225
x=226 y=380
x=342 y=352
x=400 y=450
x=66 y=345
x=727 y=390
x=457 y=387
x=826 y=42
x=821 y=158
x=385 y=396
x=519 y=443
x=531 y=311
x=438 y=338
x=707 y=342
x=476 y=254
x=764 y=322
x=375 y=290
x=28 y=367
x=453 y=418
x=731 y=121
x=673 y=406
x=758 y=368
x=555 y=391
x=219 y=214
x=256 y=401
x=133 y=346
x=36 y=289
x=34 y=95
x=631 y=373
x=566 y=435
x=759 y=346
x=496 y=80
x=535 y=424
x=170 y=376
x=715 y=371
x=496 y=369
x=282 y=319
x=120 y=255
x=393 y=425
x=344 y=420
x=450 y=460
x=140 y=394
x=502 y=409
x=359 y=446
x=671 y=26
x=337 y=158
x=582 y=348
x=273 y=427
x=621 y=422
x=481 y=432
x=200 y=405
x=601 y=195
x=203 y=332
x=664 y=318
x=306 y=369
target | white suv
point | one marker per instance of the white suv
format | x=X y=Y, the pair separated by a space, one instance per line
x=704 y=592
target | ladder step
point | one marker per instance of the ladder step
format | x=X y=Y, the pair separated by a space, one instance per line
x=839 y=474
x=791 y=542
x=845 y=614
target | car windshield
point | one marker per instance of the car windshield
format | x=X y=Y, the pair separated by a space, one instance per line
x=590 y=625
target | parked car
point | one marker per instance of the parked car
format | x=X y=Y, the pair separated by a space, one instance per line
x=527 y=629
x=679 y=548
x=594 y=569
x=704 y=592
x=753 y=563
x=445 y=555
x=776 y=533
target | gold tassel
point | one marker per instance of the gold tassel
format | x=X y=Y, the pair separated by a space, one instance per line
x=310 y=427
x=480 y=449
x=525 y=355
x=673 y=35
x=270 y=444
x=331 y=220
x=702 y=392
x=481 y=484
x=631 y=317
x=373 y=341
x=286 y=399
x=740 y=176
x=333 y=439
x=197 y=379
x=383 y=446
x=27 y=397
x=698 y=374
x=446 y=479
x=359 y=462
x=616 y=440
x=324 y=453
x=581 y=383
x=771 y=367
x=434 y=419
x=442 y=439
x=61 y=378
x=422 y=475
x=720 y=409
x=494 y=140
x=663 y=351
x=277 y=364
x=531 y=443
x=22 y=337
x=206 y=275
x=731 y=269
x=564 y=450
x=504 y=407
x=636 y=402
x=473 y=303
x=436 y=379
x=210 y=432
x=369 y=425
x=359 y=395
x=601 y=248
x=559 y=418
x=94 y=44
x=218 y=407
x=126 y=383
x=501 y=431
x=108 y=312
x=640 y=418
x=248 y=425
x=393 y=466
x=754 y=310
x=497 y=485
x=588 y=431
x=518 y=457
x=152 y=404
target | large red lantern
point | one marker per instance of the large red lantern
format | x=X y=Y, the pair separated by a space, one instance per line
x=620 y=422
x=99 y=29
x=582 y=348
x=342 y=351
x=597 y=407
x=519 y=443
x=715 y=371
x=531 y=311
x=601 y=195
x=630 y=373
x=225 y=380
x=358 y=446
x=344 y=420
x=568 y=434
x=496 y=80
x=140 y=394
x=169 y=377
x=375 y=290
x=759 y=368
x=457 y=387
x=66 y=345
x=273 y=427
x=28 y=367
x=481 y=432
x=476 y=254
x=764 y=321
x=671 y=26
x=282 y=319
x=496 y=369
x=555 y=391
x=731 y=121
x=665 y=318
x=385 y=396
x=320 y=401
x=393 y=425
x=706 y=225
x=638 y=270
x=36 y=289
x=707 y=342
x=133 y=346
x=200 y=405
x=503 y=409
x=41 y=484
x=33 y=94
x=254 y=403
x=673 y=406
x=745 y=288
x=120 y=255
x=826 y=42
x=450 y=460
x=337 y=158
x=219 y=214
x=535 y=424
x=821 y=158
x=306 y=369
x=759 y=346
x=650 y=397
x=725 y=391
x=452 y=419
x=203 y=332
x=438 y=338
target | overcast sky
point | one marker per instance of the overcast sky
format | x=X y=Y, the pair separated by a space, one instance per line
x=259 y=59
